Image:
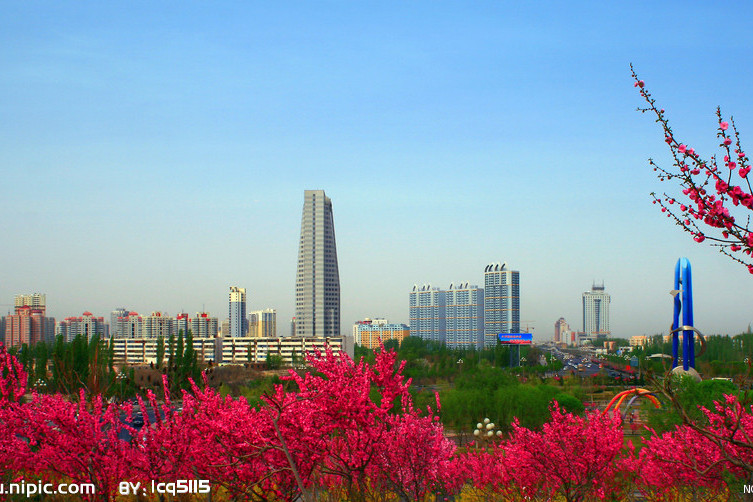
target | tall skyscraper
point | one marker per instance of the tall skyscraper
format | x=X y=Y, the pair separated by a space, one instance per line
x=427 y=313
x=237 y=312
x=464 y=314
x=596 y=313
x=317 y=284
x=501 y=302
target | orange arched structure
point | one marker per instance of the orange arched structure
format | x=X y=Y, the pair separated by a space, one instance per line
x=620 y=397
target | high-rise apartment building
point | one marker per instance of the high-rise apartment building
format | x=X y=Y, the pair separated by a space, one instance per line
x=561 y=330
x=158 y=324
x=317 y=285
x=262 y=323
x=501 y=302
x=464 y=316
x=127 y=325
x=202 y=325
x=237 y=312
x=596 y=313
x=115 y=315
x=86 y=325
x=28 y=324
x=427 y=313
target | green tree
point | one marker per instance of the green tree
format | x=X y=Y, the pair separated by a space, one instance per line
x=160 y=351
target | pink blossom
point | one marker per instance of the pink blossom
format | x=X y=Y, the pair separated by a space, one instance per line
x=723 y=126
x=681 y=148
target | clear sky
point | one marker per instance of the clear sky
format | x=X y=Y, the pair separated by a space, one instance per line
x=152 y=154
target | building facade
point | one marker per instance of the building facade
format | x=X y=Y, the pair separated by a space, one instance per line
x=262 y=323
x=427 y=313
x=369 y=333
x=158 y=324
x=561 y=330
x=115 y=315
x=232 y=350
x=127 y=325
x=237 y=312
x=202 y=325
x=501 y=302
x=596 y=313
x=317 y=287
x=86 y=326
x=464 y=316
x=29 y=324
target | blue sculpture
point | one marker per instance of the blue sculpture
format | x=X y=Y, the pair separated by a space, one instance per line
x=683 y=294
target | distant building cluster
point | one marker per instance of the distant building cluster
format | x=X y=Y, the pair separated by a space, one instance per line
x=29 y=325
x=595 y=320
x=244 y=336
x=465 y=315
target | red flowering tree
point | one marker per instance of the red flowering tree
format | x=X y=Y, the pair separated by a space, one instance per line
x=574 y=457
x=703 y=461
x=715 y=200
x=12 y=377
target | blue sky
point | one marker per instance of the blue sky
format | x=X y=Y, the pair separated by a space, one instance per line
x=155 y=153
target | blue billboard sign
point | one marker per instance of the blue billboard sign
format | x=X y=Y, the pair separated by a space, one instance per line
x=516 y=338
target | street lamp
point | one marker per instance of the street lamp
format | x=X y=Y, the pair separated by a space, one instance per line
x=485 y=432
x=121 y=378
x=40 y=385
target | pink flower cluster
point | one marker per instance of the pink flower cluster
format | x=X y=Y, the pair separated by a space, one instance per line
x=716 y=203
x=349 y=431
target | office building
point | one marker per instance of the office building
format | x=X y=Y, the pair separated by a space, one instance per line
x=501 y=302
x=237 y=312
x=317 y=287
x=596 y=313
x=85 y=325
x=262 y=323
x=464 y=316
x=427 y=313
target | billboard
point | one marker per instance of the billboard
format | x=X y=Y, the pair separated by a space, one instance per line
x=516 y=338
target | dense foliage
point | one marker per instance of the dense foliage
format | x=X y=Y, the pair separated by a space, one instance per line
x=346 y=430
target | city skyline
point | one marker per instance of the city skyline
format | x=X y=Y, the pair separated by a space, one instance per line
x=153 y=156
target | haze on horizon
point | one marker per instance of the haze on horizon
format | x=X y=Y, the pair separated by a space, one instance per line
x=153 y=156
